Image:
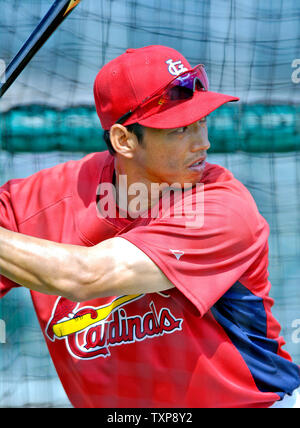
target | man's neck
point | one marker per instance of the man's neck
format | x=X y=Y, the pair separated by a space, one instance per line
x=134 y=191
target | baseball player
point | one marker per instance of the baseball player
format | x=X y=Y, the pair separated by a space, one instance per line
x=147 y=265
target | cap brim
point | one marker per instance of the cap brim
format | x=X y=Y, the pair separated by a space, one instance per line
x=186 y=113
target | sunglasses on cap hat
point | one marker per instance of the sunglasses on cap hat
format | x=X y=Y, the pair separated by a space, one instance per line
x=181 y=88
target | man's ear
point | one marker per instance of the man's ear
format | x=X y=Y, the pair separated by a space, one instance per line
x=123 y=141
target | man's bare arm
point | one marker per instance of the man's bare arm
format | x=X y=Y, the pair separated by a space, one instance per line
x=113 y=267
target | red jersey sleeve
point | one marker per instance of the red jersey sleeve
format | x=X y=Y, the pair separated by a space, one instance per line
x=204 y=262
x=8 y=221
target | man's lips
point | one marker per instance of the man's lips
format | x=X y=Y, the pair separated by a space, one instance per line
x=198 y=163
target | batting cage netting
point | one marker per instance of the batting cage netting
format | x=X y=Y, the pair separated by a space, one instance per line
x=250 y=48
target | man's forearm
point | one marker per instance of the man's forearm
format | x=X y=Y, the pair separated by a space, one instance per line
x=113 y=267
x=41 y=265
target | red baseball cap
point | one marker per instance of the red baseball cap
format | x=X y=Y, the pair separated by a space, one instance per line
x=124 y=83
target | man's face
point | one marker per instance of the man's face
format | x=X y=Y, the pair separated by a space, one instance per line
x=174 y=155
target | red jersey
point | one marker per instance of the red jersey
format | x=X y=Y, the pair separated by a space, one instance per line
x=212 y=341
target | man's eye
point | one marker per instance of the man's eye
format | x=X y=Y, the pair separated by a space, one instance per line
x=203 y=120
x=181 y=130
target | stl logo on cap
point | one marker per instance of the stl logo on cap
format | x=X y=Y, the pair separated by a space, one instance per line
x=176 y=67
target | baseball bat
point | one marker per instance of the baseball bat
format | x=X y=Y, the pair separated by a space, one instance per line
x=49 y=23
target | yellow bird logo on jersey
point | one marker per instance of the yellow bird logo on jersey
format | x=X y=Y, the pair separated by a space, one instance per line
x=91 y=317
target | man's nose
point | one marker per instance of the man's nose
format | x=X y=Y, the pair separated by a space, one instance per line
x=199 y=136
